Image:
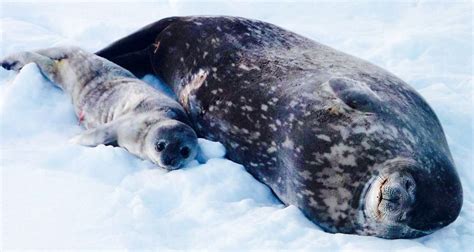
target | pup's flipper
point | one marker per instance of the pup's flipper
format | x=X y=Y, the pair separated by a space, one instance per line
x=17 y=61
x=105 y=134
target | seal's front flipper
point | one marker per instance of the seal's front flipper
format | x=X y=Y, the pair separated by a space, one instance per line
x=136 y=62
x=106 y=134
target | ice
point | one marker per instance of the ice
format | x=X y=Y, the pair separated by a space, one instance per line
x=56 y=195
x=210 y=149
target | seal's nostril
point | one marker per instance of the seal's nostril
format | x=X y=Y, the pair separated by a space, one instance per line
x=392 y=194
x=396 y=197
x=184 y=152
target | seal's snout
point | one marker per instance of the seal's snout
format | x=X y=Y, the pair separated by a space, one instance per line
x=396 y=196
x=438 y=202
x=408 y=201
x=391 y=197
x=170 y=158
x=173 y=144
x=170 y=161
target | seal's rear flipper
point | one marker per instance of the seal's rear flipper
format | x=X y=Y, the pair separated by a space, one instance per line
x=17 y=61
x=137 y=62
x=133 y=52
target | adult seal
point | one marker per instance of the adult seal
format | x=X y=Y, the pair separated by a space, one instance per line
x=351 y=145
x=115 y=106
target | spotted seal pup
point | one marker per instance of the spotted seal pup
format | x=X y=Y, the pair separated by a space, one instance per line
x=354 y=147
x=115 y=106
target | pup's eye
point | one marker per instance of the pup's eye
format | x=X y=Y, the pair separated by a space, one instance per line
x=160 y=146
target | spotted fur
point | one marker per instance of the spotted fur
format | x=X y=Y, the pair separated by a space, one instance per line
x=314 y=124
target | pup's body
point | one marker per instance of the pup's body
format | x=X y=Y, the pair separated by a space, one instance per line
x=115 y=106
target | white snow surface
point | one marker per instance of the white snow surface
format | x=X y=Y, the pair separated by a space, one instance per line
x=56 y=195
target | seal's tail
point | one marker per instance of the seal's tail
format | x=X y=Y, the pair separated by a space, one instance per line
x=133 y=52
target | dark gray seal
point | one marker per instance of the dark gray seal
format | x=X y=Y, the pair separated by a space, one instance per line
x=351 y=145
x=115 y=106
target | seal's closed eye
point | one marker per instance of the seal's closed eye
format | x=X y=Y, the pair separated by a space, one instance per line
x=355 y=94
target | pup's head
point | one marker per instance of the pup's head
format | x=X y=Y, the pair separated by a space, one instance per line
x=171 y=144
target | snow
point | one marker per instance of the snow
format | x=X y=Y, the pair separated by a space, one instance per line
x=56 y=195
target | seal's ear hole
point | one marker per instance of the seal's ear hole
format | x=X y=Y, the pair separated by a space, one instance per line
x=355 y=94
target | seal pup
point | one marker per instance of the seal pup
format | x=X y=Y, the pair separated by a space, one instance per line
x=115 y=106
x=355 y=148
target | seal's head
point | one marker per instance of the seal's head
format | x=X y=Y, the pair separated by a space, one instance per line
x=406 y=201
x=171 y=144
x=379 y=165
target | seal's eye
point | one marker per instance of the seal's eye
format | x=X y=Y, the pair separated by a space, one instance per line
x=160 y=146
x=184 y=152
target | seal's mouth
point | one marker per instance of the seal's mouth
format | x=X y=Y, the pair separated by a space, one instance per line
x=174 y=166
x=402 y=202
x=380 y=196
x=372 y=197
x=385 y=209
x=391 y=197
